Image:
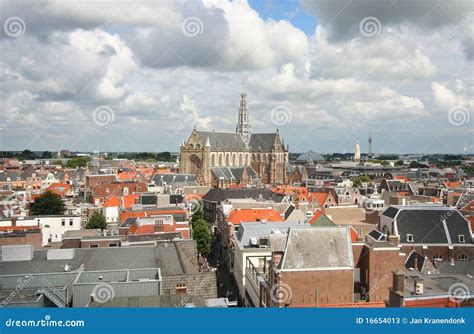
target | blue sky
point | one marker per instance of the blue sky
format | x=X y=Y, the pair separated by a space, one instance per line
x=289 y=10
x=152 y=70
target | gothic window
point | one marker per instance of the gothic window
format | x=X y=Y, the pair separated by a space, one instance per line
x=240 y=160
x=220 y=159
x=191 y=146
x=234 y=159
x=227 y=160
x=213 y=160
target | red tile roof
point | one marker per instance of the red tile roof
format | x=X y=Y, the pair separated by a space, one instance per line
x=320 y=197
x=59 y=188
x=112 y=201
x=237 y=216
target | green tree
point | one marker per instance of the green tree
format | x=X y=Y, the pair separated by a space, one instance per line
x=202 y=235
x=78 y=162
x=48 y=203
x=359 y=179
x=46 y=155
x=198 y=215
x=97 y=220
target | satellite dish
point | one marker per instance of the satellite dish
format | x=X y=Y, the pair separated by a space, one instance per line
x=67 y=268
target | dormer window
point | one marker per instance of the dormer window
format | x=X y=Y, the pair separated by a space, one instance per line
x=461 y=238
x=410 y=238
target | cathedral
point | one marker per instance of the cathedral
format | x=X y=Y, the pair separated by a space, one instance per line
x=208 y=152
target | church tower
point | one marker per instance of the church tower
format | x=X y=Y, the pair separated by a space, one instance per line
x=243 y=122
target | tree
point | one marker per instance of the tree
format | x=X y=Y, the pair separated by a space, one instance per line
x=198 y=215
x=48 y=203
x=359 y=179
x=202 y=235
x=96 y=221
x=46 y=155
x=78 y=162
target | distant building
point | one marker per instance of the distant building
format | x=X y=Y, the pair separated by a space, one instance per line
x=357 y=152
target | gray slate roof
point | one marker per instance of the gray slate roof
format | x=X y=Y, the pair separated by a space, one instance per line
x=233 y=173
x=436 y=225
x=258 y=230
x=225 y=141
x=318 y=248
x=171 y=179
x=219 y=195
x=262 y=141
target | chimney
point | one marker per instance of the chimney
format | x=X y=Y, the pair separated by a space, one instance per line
x=398 y=280
x=393 y=239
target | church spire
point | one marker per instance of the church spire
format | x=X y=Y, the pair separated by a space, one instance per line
x=243 y=121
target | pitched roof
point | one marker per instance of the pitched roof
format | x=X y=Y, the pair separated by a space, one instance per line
x=219 y=195
x=318 y=248
x=257 y=230
x=233 y=173
x=236 y=216
x=223 y=140
x=172 y=178
x=112 y=201
x=320 y=219
x=320 y=197
x=59 y=188
x=439 y=225
x=262 y=141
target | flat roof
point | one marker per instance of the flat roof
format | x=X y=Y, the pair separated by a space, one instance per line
x=163 y=256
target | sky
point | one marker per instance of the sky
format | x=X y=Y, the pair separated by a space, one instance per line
x=140 y=75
